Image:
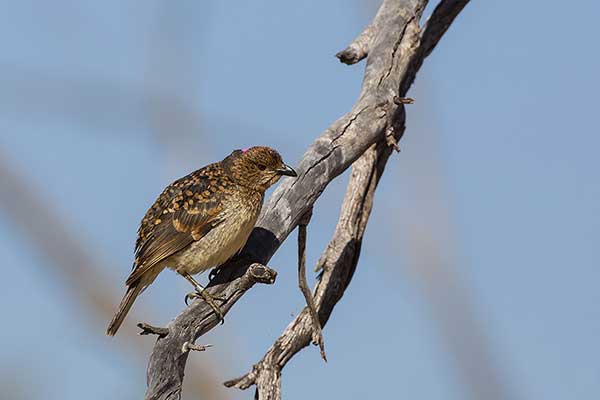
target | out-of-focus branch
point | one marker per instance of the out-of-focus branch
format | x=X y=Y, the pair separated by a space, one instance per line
x=170 y=67
x=454 y=314
x=97 y=101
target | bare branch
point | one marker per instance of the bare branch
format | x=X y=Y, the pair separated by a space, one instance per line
x=441 y=18
x=148 y=329
x=395 y=55
x=187 y=346
x=317 y=336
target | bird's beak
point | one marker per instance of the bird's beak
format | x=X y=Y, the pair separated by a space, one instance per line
x=286 y=170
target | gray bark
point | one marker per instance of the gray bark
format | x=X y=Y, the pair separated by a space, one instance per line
x=396 y=46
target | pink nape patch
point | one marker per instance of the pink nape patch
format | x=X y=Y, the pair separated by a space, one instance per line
x=245 y=150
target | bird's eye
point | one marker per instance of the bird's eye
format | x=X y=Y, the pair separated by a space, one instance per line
x=262 y=167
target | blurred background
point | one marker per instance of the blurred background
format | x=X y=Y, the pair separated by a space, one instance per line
x=480 y=269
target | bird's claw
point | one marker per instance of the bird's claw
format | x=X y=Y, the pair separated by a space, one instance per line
x=208 y=299
x=192 y=295
x=200 y=295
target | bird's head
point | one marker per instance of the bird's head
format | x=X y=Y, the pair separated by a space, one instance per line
x=257 y=167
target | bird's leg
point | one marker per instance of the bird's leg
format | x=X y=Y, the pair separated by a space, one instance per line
x=201 y=292
x=199 y=288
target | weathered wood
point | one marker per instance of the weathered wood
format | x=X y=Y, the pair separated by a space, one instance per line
x=167 y=361
x=338 y=263
x=394 y=56
x=359 y=48
x=317 y=336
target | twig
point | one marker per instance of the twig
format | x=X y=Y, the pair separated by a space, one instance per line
x=317 y=336
x=148 y=329
x=403 y=100
x=187 y=346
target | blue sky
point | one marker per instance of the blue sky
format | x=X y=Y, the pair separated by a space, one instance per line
x=498 y=165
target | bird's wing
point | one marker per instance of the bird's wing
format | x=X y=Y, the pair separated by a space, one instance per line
x=185 y=212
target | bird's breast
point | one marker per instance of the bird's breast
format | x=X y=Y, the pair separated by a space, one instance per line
x=223 y=241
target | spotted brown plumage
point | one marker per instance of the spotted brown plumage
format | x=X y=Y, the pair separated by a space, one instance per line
x=201 y=220
x=185 y=211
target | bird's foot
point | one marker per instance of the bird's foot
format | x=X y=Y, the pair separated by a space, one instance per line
x=197 y=294
x=204 y=295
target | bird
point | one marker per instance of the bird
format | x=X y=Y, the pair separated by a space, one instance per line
x=200 y=221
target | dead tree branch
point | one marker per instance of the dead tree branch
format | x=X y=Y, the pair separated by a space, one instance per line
x=317 y=336
x=338 y=263
x=395 y=54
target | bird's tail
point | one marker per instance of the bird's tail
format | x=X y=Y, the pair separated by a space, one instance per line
x=132 y=293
